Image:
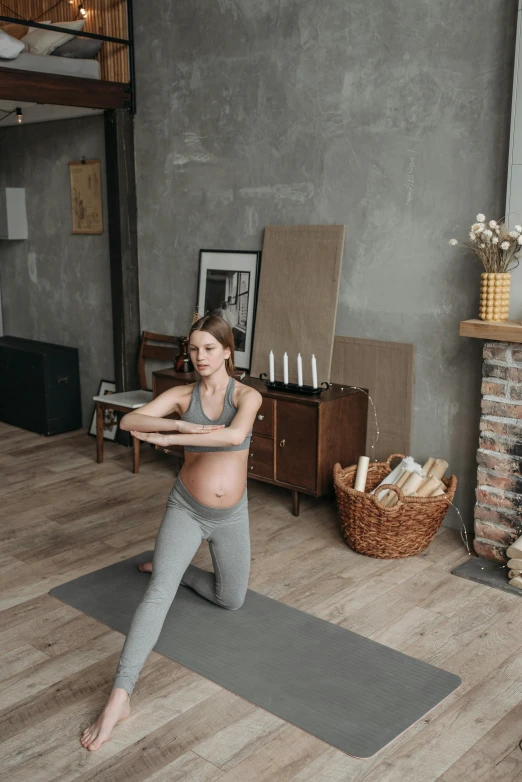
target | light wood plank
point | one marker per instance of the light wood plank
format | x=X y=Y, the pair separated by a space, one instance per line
x=58 y=664
x=386 y=370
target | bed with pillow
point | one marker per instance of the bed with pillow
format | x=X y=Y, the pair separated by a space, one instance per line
x=55 y=66
x=49 y=51
x=48 y=63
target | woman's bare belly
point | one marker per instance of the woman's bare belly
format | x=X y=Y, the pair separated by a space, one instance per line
x=215 y=478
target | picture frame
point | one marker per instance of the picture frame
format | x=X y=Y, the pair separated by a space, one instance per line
x=110 y=417
x=86 y=196
x=227 y=286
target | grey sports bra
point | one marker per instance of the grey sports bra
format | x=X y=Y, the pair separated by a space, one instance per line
x=195 y=415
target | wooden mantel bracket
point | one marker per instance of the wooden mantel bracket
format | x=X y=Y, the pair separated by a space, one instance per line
x=503 y=331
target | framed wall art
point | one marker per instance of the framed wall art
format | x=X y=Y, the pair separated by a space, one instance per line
x=227 y=286
x=110 y=417
x=86 y=198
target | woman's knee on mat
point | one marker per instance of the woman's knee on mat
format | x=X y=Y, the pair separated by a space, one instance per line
x=232 y=606
x=232 y=601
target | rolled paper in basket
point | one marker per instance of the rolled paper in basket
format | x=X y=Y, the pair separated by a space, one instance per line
x=516 y=582
x=409 y=488
x=515 y=550
x=514 y=573
x=439 y=468
x=385 y=496
x=362 y=472
x=390 y=495
x=428 y=465
x=393 y=476
x=428 y=486
x=413 y=483
x=384 y=493
x=440 y=490
x=515 y=564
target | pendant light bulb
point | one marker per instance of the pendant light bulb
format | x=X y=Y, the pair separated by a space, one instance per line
x=82 y=11
x=19 y=115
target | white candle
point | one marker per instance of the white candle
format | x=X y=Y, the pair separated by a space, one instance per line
x=272 y=373
x=299 y=370
x=285 y=368
x=314 y=371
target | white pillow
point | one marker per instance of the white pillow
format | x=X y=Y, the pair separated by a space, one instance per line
x=9 y=47
x=46 y=41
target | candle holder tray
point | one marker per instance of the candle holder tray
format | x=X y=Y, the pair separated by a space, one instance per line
x=293 y=388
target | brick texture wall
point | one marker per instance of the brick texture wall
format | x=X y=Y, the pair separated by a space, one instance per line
x=498 y=509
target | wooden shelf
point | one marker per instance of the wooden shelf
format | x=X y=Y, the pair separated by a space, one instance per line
x=504 y=331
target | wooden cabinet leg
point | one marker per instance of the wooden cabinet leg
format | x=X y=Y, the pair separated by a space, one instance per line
x=135 y=454
x=99 y=433
x=295 y=503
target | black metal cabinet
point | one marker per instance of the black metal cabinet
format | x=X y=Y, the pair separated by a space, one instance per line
x=39 y=385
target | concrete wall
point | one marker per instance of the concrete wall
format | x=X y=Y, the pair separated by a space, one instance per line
x=392 y=118
x=56 y=286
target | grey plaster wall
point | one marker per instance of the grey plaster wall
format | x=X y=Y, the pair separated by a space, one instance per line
x=56 y=286
x=389 y=117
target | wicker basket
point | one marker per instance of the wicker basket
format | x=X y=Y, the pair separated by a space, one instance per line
x=370 y=528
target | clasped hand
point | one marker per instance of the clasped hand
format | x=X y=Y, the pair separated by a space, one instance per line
x=182 y=427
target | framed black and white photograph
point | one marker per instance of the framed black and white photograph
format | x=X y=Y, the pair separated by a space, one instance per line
x=227 y=287
x=110 y=420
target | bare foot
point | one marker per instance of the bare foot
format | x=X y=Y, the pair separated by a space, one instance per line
x=116 y=710
x=146 y=567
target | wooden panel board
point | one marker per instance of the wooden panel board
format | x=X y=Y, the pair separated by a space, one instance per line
x=297 y=298
x=386 y=370
x=103 y=18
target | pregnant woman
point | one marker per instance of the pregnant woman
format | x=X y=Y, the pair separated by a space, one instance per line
x=208 y=501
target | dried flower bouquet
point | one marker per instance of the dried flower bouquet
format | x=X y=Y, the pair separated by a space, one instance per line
x=494 y=245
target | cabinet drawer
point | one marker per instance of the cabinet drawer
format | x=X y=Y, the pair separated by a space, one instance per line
x=264 y=421
x=261 y=457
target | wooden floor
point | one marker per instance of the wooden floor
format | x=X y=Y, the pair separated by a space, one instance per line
x=63 y=515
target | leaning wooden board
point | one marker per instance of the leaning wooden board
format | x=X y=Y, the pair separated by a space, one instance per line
x=386 y=370
x=297 y=298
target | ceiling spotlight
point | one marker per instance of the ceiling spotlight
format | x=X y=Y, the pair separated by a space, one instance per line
x=82 y=11
x=20 y=115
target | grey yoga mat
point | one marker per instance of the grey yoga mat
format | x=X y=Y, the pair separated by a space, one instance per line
x=353 y=693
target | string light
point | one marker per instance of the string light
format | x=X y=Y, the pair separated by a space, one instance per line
x=82 y=11
x=372 y=449
x=20 y=115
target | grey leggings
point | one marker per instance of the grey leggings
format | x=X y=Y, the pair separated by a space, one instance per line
x=185 y=524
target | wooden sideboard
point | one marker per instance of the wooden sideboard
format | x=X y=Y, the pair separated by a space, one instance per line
x=296 y=439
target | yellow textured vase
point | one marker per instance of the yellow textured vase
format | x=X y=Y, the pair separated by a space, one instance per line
x=494 y=296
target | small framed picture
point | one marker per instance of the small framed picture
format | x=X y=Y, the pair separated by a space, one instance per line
x=110 y=420
x=227 y=286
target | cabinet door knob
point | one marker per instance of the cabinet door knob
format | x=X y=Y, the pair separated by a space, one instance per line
x=260 y=417
x=282 y=443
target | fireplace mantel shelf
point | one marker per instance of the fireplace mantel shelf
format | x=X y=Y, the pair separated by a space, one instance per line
x=504 y=331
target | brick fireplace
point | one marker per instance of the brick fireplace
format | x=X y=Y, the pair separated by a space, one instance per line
x=498 y=508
